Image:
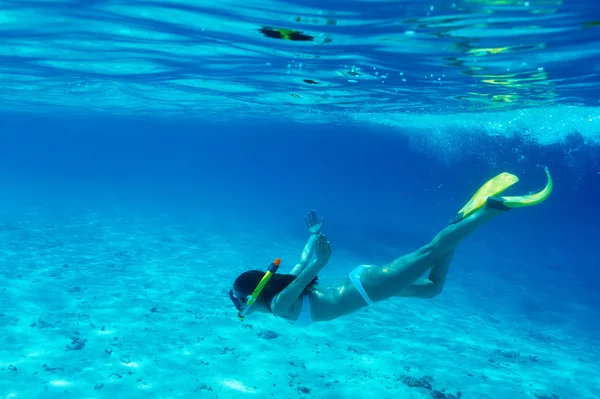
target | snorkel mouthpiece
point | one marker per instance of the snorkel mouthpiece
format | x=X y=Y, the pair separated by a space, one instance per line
x=263 y=281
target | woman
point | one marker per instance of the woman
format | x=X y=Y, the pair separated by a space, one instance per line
x=296 y=298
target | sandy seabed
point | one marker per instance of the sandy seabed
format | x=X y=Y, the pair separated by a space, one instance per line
x=110 y=304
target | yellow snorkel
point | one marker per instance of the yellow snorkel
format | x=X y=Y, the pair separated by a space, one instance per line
x=263 y=281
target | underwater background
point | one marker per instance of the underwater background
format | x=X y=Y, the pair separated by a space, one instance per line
x=151 y=151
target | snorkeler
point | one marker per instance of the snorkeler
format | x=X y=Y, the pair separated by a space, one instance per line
x=296 y=298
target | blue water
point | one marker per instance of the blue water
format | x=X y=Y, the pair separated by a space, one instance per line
x=152 y=151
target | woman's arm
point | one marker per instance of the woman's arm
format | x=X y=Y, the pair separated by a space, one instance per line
x=282 y=302
x=314 y=227
x=306 y=255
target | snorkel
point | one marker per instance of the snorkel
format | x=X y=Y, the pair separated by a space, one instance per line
x=263 y=281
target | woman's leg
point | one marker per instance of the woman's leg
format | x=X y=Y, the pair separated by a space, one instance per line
x=387 y=281
x=390 y=280
x=433 y=285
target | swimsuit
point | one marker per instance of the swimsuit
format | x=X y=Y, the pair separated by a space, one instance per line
x=304 y=318
x=355 y=278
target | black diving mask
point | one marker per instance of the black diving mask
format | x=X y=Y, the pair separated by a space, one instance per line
x=237 y=302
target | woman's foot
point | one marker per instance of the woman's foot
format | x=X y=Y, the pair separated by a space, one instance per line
x=487 y=196
x=506 y=203
x=491 y=188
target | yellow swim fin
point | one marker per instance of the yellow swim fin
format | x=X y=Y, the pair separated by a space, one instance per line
x=506 y=203
x=491 y=188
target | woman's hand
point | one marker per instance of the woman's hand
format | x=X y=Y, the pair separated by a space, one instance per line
x=322 y=249
x=312 y=222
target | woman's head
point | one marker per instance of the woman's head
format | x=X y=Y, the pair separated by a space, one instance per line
x=246 y=282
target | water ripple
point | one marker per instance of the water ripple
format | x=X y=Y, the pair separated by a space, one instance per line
x=366 y=58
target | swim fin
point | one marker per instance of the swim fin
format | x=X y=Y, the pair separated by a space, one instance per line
x=506 y=203
x=491 y=188
x=487 y=196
